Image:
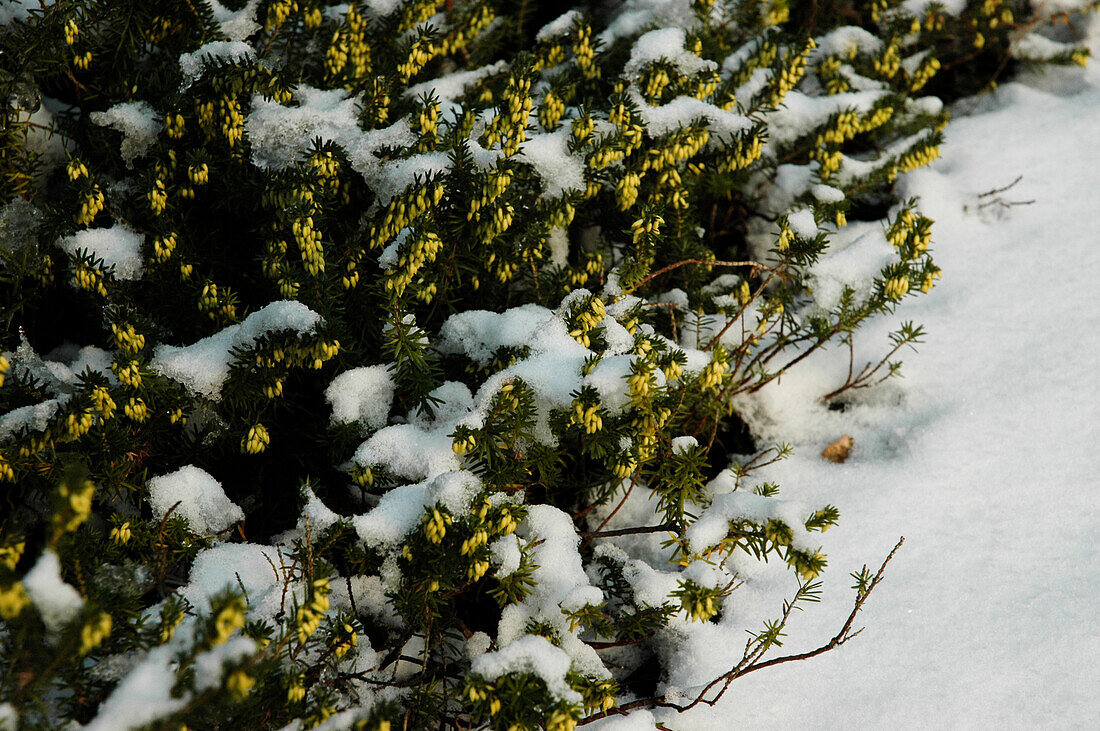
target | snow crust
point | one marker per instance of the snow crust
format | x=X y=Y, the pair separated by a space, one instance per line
x=202 y=501
x=529 y=654
x=236 y=25
x=549 y=155
x=204 y=366
x=667 y=45
x=137 y=121
x=362 y=394
x=192 y=64
x=559 y=26
x=118 y=246
x=57 y=602
x=35 y=417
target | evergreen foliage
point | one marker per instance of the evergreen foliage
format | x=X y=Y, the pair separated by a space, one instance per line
x=379 y=364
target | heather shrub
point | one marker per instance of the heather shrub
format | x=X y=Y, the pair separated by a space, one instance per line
x=379 y=364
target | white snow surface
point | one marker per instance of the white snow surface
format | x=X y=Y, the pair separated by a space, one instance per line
x=57 y=602
x=192 y=64
x=559 y=26
x=202 y=501
x=549 y=155
x=667 y=45
x=362 y=395
x=204 y=366
x=118 y=246
x=35 y=417
x=9 y=717
x=137 y=121
x=531 y=654
x=236 y=25
x=983 y=456
x=257 y=569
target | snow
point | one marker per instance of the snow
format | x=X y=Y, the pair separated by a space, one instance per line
x=802 y=223
x=204 y=366
x=713 y=525
x=635 y=16
x=57 y=602
x=827 y=193
x=236 y=25
x=362 y=395
x=192 y=64
x=19 y=221
x=529 y=654
x=983 y=456
x=479 y=333
x=667 y=45
x=920 y=7
x=143 y=696
x=506 y=554
x=202 y=501
x=448 y=88
x=118 y=246
x=685 y=110
x=257 y=569
x=844 y=41
x=801 y=113
x=35 y=417
x=280 y=135
x=478 y=644
x=558 y=27
x=20 y=10
x=856 y=255
x=549 y=155
x=409 y=451
x=137 y=121
x=560 y=585
x=392 y=178
x=88 y=358
x=400 y=509
x=9 y=717
x=382 y=8
x=641 y=720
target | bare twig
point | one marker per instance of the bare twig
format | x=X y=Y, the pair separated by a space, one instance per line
x=995 y=191
x=750 y=662
x=755 y=265
x=673 y=527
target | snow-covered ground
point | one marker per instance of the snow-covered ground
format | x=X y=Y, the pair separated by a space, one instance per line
x=985 y=456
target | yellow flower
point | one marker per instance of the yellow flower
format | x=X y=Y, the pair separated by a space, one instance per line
x=295 y=692
x=229 y=620
x=240 y=683
x=13 y=599
x=94 y=632
x=256 y=440
x=10 y=555
x=121 y=534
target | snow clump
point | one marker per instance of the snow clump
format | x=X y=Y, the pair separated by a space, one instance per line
x=198 y=498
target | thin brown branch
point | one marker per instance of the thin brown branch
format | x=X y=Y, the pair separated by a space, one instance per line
x=673 y=527
x=749 y=662
x=755 y=265
x=633 y=481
